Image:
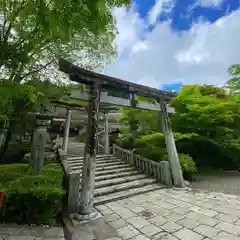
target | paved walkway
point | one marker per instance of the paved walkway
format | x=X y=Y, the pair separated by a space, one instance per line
x=16 y=232
x=175 y=214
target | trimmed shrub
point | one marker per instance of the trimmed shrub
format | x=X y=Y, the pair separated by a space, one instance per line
x=187 y=163
x=31 y=198
x=125 y=141
x=155 y=139
x=156 y=154
x=11 y=172
x=37 y=204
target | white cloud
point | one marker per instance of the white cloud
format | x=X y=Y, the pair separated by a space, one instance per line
x=200 y=55
x=210 y=3
x=131 y=27
x=161 y=6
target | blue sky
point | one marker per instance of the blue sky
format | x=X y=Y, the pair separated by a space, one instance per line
x=181 y=10
x=162 y=41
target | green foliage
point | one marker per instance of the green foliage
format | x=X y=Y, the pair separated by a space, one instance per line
x=16 y=100
x=10 y=172
x=155 y=139
x=214 y=116
x=206 y=126
x=234 y=83
x=145 y=122
x=154 y=153
x=125 y=141
x=187 y=163
x=35 y=33
x=152 y=146
x=31 y=198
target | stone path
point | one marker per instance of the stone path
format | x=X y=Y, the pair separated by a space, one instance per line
x=175 y=214
x=16 y=232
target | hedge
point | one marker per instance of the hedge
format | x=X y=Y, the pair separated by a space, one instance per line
x=152 y=146
x=31 y=198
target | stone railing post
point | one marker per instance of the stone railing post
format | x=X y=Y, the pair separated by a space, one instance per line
x=73 y=192
x=66 y=131
x=132 y=157
x=97 y=145
x=106 y=134
x=165 y=171
x=114 y=149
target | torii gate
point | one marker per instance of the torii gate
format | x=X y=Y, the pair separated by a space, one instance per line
x=113 y=91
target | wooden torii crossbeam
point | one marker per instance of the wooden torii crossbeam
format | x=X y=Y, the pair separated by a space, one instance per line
x=116 y=92
x=81 y=75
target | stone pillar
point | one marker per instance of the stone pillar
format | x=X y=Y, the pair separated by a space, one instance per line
x=66 y=131
x=36 y=160
x=132 y=157
x=106 y=134
x=86 y=210
x=3 y=133
x=133 y=125
x=178 y=180
x=114 y=149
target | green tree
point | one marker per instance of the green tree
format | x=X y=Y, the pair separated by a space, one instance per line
x=214 y=115
x=206 y=126
x=18 y=100
x=34 y=33
x=234 y=83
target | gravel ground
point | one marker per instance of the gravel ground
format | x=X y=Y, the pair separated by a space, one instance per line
x=223 y=181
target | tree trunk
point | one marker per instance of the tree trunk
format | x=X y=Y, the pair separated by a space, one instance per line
x=89 y=162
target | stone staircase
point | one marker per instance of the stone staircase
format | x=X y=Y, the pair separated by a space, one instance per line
x=114 y=179
x=75 y=149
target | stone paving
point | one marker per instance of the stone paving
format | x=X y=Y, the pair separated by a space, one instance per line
x=17 y=232
x=173 y=214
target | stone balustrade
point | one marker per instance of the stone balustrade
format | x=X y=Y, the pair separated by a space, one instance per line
x=73 y=183
x=100 y=148
x=159 y=170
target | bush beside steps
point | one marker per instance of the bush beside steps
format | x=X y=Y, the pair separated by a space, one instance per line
x=31 y=198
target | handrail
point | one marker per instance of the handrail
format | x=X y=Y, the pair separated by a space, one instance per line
x=159 y=170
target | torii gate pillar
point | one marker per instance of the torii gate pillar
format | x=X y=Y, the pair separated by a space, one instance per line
x=106 y=134
x=178 y=180
x=66 y=131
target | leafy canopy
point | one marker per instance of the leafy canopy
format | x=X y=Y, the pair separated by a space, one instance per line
x=33 y=33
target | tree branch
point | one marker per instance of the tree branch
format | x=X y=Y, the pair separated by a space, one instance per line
x=12 y=21
x=37 y=70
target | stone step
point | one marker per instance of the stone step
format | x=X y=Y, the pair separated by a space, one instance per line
x=99 y=168
x=113 y=171
x=117 y=175
x=127 y=193
x=101 y=161
x=99 y=164
x=119 y=180
x=124 y=186
x=98 y=157
x=110 y=174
